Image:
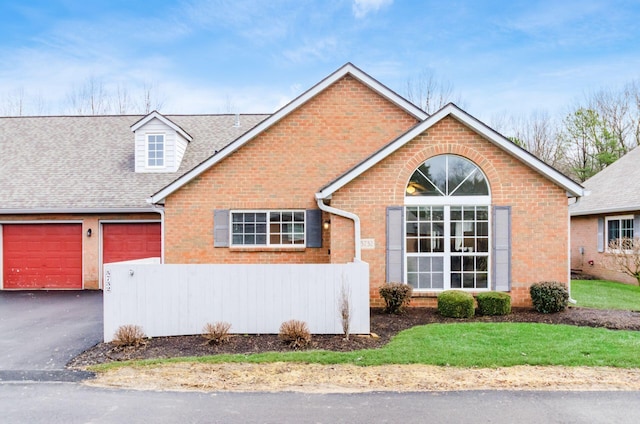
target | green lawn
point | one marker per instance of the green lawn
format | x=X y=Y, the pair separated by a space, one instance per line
x=601 y=294
x=491 y=345
x=472 y=345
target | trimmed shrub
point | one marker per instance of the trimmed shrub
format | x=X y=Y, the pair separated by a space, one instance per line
x=494 y=303
x=129 y=336
x=295 y=333
x=456 y=304
x=216 y=333
x=396 y=296
x=549 y=296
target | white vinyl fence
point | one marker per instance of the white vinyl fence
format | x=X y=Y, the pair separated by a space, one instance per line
x=170 y=300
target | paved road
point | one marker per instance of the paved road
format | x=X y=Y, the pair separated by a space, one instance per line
x=40 y=331
x=70 y=403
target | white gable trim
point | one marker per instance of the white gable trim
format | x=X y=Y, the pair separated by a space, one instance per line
x=573 y=188
x=348 y=69
x=157 y=115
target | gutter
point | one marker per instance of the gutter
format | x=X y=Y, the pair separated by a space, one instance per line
x=349 y=215
x=37 y=211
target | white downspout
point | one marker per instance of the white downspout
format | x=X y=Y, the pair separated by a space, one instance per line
x=571 y=300
x=349 y=215
x=160 y=210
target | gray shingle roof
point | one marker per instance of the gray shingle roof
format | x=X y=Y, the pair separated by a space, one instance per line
x=87 y=162
x=614 y=189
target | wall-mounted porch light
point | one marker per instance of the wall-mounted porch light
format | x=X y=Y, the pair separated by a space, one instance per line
x=326 y=224
x=89 y=232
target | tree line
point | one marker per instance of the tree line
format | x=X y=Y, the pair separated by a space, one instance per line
x=593 y=134
x=92 y=97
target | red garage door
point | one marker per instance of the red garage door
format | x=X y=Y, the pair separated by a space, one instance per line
x=125 y=242
x=42 y=256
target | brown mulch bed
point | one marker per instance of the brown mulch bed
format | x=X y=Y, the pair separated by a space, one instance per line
x=383 y=326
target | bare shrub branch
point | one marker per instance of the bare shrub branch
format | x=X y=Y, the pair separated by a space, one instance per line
x=216 y=333
x=295 y=333
x=129 y=336
x=344 y=309
x=624 y=256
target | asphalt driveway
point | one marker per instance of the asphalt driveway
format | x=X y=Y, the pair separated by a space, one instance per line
x=40 y=331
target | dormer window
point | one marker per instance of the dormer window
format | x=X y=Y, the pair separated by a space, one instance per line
x=160 y=144
x=155 y=150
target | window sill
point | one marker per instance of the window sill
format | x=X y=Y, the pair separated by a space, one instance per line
x=267 y=249
x=429 y=294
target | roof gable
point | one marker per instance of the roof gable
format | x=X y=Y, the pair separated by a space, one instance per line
x=157 y=115
x=348 y=69
x=573 y=188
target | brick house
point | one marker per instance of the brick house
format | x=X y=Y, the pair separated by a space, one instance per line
x=347 y=171
x=609 y=212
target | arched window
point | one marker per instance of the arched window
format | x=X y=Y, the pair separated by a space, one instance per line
x=448 y=175
x=447 y=225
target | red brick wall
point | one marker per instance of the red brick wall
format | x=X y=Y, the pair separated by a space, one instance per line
x=283 y=168
x=539 y=207
x=286 y=165
x=584 y=233
x=90 y=245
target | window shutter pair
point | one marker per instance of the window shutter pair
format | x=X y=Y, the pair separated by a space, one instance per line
x=501 y=246
x=601 y=233
x=313 y=228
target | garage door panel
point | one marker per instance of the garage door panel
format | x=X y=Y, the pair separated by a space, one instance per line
x=130 y=241
x=42 y=256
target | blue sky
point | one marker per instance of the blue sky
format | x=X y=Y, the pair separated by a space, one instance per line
x=510 y=57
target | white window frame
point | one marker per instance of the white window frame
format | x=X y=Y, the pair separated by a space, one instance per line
x=447 y=201
x=447 y=254
x=619 y=218
x=164 y=150
x=268 y=224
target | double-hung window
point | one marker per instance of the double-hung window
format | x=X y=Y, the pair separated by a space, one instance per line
x=155 y=150
x=447 y=226
x=278 y=228
x=619 y=231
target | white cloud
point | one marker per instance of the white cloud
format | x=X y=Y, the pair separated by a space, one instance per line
x=321 y=49
x=363 y=7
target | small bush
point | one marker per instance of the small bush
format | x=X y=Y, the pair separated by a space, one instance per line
x=129 y=335
x=396 y=296
x=456 y=304
x=216 y=333
x=549 y=297
x=295 y=333
x=494 y=303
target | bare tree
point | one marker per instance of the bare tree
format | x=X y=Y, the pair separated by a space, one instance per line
x=122 y=101
x=616 y=109
x=624 y=256
x=344 y=309
x=538 y=134
x=429 y=93
x=151 y=99
x=14 y=103
x=90 y=98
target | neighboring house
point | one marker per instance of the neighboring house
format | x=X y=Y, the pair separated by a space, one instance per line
x=610 y=211
x=347 y=171
x=73 y=190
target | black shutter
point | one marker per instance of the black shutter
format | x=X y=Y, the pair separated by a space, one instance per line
x=313 y=223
